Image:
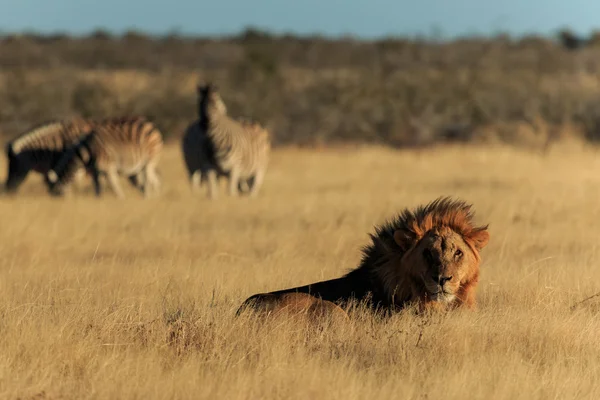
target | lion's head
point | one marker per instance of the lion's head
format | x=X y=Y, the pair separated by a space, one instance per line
x=430 y=255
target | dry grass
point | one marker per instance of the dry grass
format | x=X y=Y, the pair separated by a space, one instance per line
x=136 y=299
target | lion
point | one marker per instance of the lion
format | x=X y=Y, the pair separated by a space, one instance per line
x=429 y=257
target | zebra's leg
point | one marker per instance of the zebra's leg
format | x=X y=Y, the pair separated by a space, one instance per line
x=234 y=181
x=96 y=180
x=138 y=180
x=146 y=187
x=211 y=175
x=78 y=180
x=258 y=181
x=196 y=181
x=245 y=185
x=113 y=180
x=141 y=179
x=152 y=180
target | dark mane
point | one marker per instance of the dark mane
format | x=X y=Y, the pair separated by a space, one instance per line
x=443 y=211
x=203 y=92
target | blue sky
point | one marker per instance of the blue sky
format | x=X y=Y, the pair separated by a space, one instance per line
x=369 y=19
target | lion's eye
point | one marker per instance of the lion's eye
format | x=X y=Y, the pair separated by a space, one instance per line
x=458 y=253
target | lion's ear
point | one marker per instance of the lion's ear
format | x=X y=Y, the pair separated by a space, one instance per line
x=480 y=237
x=403 y=239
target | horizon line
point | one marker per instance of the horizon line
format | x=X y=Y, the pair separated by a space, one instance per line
x=434 y=34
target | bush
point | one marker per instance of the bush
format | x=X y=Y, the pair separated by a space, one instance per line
x=310 y=90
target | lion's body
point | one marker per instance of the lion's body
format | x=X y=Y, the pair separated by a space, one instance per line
x=429 y=256
x=298 y=305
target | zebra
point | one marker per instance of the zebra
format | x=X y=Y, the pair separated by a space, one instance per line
x=198 y=155
x=130 y=146
x=40 y=148
x=237 y=150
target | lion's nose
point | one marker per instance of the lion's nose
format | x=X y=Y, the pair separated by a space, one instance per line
x=443 y=279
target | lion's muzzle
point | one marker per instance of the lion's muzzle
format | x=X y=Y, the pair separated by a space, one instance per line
x=438 y=288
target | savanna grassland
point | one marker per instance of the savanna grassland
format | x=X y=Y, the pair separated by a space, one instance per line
x=101 y=298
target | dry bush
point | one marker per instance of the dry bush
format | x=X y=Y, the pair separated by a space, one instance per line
x=311 y=90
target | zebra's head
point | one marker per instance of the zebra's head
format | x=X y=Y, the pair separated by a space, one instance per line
x=16 y=170
x=209 y=100
x=73 y=158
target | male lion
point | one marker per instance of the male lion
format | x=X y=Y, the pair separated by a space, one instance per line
x=429 y=256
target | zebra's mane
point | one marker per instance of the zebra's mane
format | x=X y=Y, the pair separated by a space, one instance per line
x=45 y=130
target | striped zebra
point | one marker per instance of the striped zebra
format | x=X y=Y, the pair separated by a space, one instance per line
x=129 y=146
x=198 y=155
x=230 y=148
x=40 y=148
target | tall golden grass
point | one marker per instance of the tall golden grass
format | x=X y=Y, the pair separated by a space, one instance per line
x=107 y=299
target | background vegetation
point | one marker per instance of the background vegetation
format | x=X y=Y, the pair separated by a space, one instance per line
x=314 y=91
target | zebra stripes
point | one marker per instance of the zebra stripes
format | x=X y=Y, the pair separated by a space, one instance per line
x=40 y=148
x=129 y=146
x=214 y=146
x=199 y=160
x=225 y=147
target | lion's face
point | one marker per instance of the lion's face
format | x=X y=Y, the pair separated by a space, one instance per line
x=443 y=260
